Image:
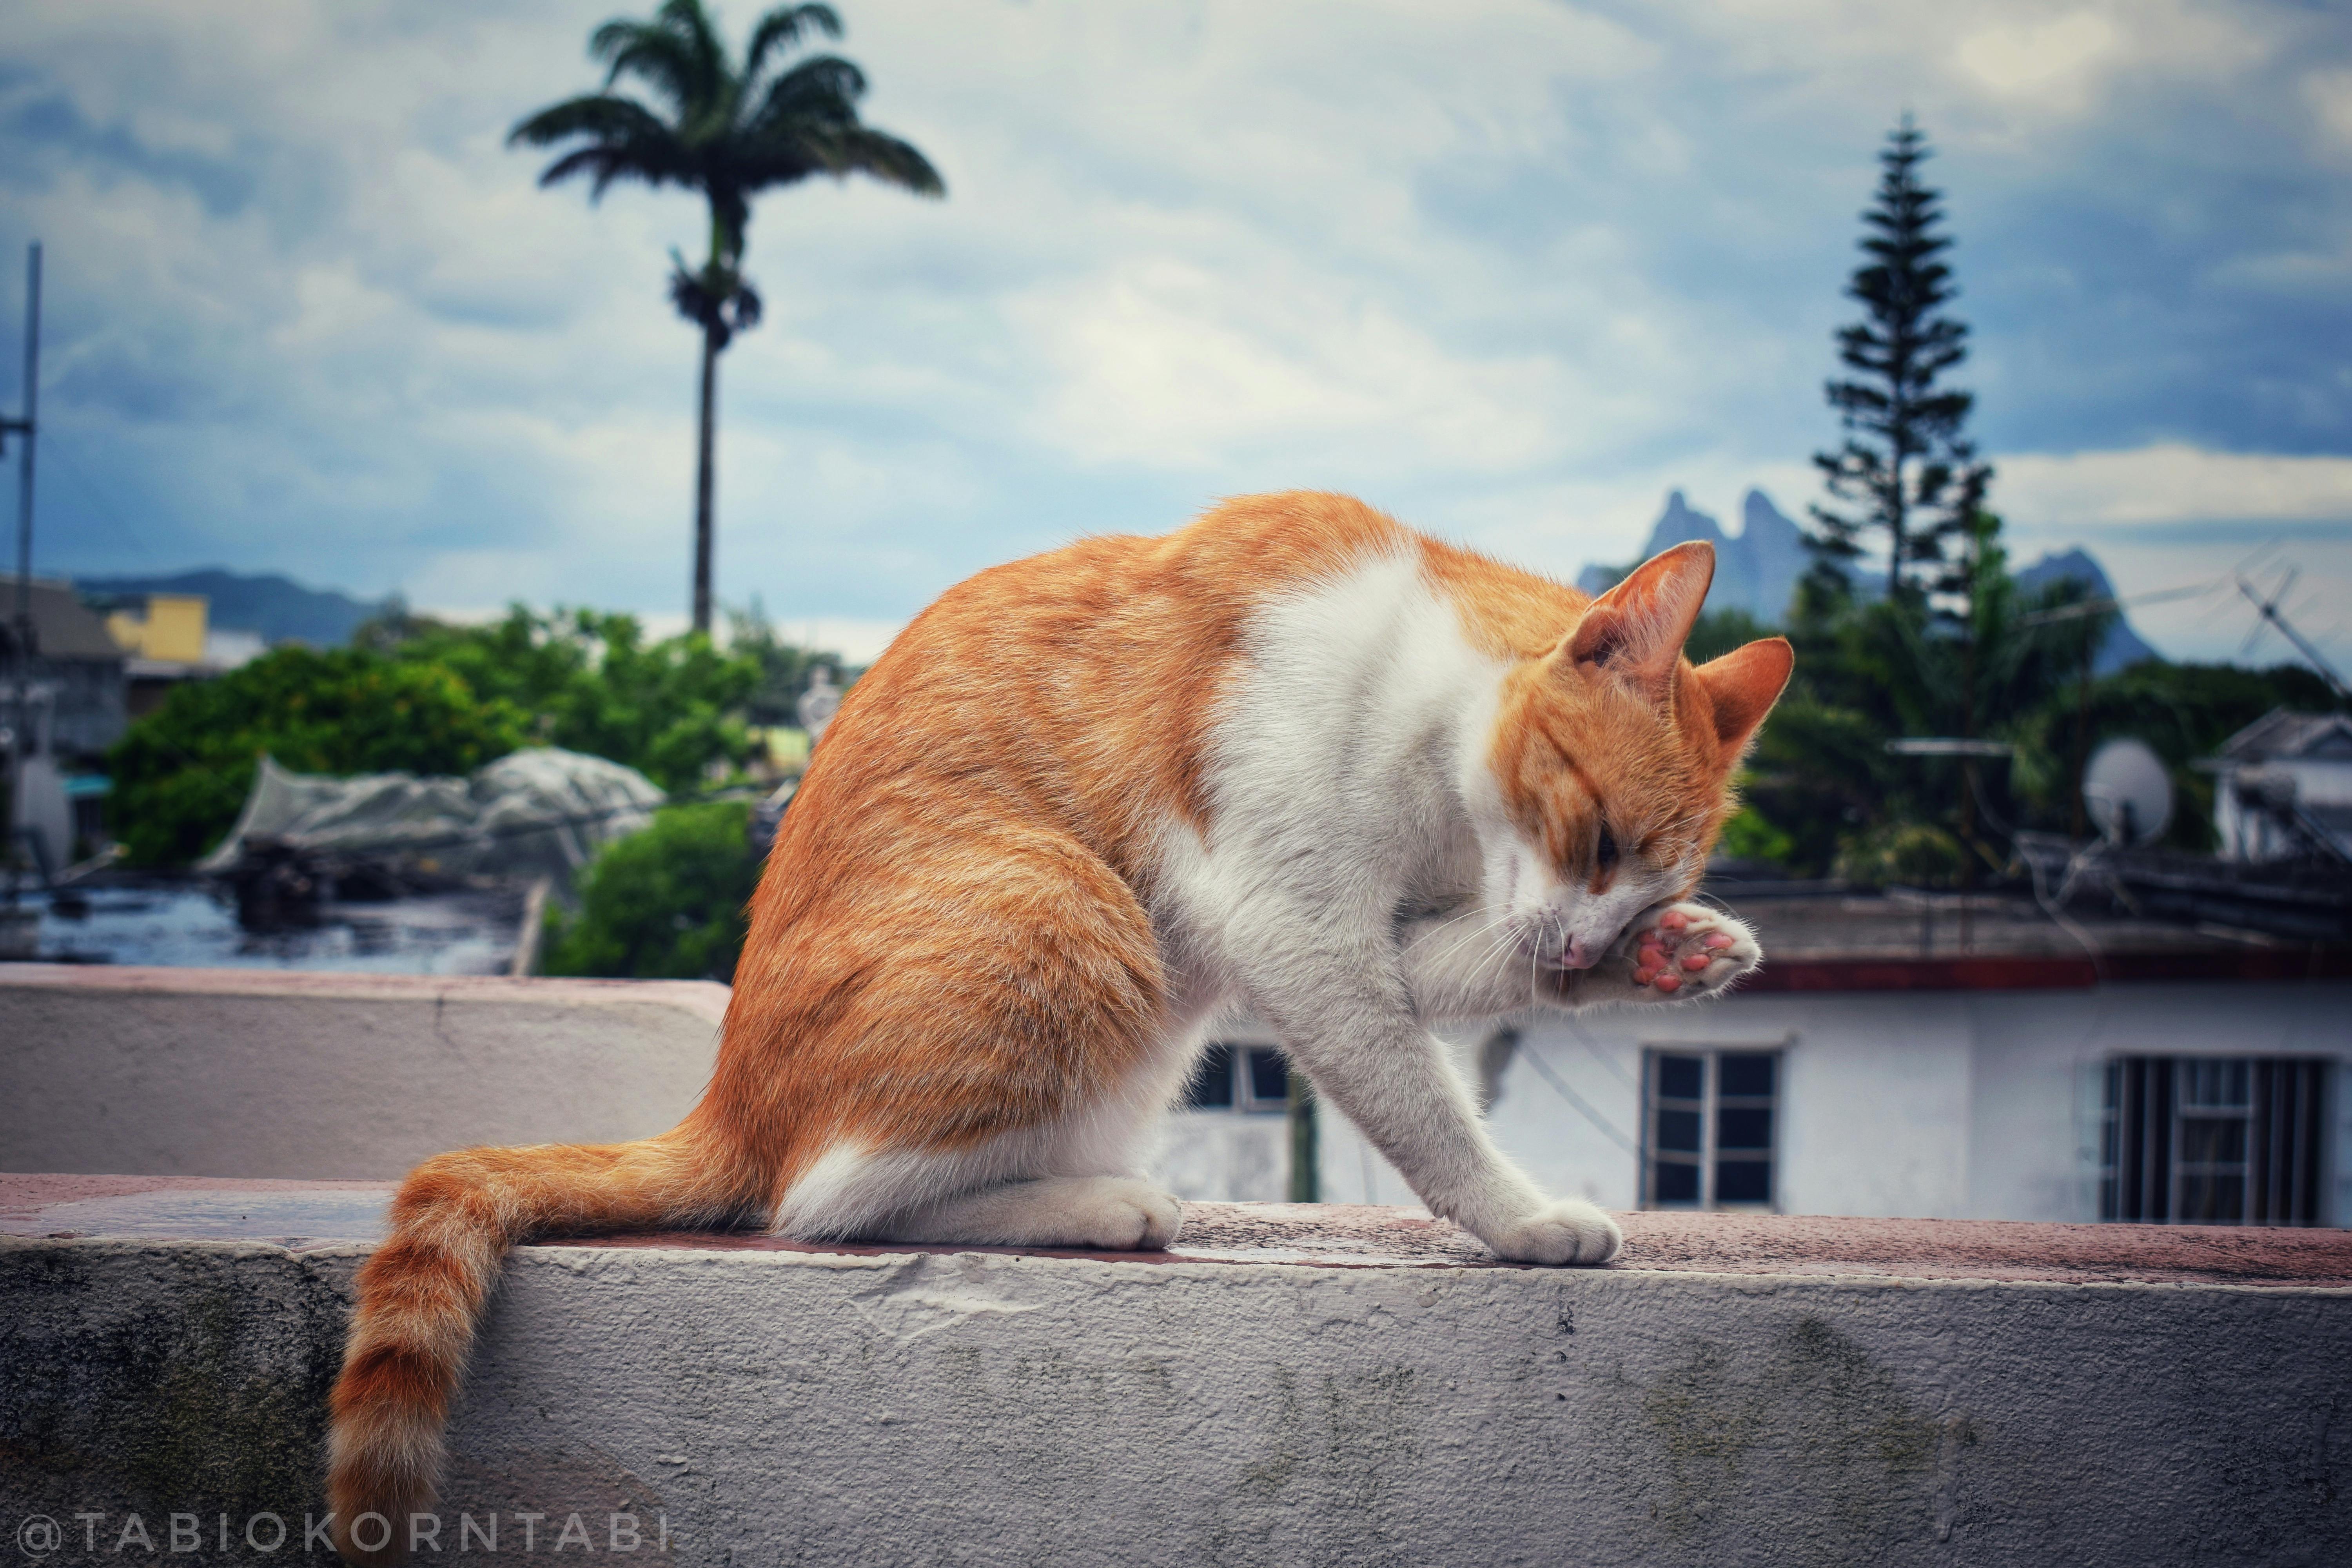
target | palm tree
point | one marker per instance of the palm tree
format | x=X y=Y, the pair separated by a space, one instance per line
x=727 y=132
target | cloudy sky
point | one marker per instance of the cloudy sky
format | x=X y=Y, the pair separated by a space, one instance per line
x=1511 y=269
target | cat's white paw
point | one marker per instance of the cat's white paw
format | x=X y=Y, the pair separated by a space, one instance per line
x=1568 y=1230
x=1675 y=953
x=1120 y=1216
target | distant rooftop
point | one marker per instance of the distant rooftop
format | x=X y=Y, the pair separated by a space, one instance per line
x=63 y=627
x=1825 y=937
x=2282 y=732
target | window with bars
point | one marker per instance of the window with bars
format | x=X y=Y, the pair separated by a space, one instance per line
x=1240 y=1077
x=1709 y=1128
x=2212 y=1140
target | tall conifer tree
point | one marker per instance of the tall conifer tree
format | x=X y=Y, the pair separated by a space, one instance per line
x=1905 y=468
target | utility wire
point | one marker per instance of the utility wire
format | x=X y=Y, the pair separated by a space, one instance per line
x=1583 y=1106
x=64 y=451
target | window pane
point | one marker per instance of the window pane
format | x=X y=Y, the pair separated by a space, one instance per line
x=2212 y=1140
x=1738 y=1127
x=1678 y=1130
x=1213 y=1081
x=1676 y=1184
x=2213 y=1199
x=1682 y=1077
x=2219 y=1083
x=1743 y=1181
x=1744 y=1075
x=1269 y=1072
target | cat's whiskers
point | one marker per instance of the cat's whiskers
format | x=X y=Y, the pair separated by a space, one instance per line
x=1496 y=932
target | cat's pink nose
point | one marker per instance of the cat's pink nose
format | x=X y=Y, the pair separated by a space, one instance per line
x=1579 y=956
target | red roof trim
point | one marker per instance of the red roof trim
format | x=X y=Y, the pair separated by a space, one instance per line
x=2022 y=974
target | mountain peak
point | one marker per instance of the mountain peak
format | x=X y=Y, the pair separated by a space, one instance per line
x=1756 y=570
x=1680 y=523
x=2123 y=646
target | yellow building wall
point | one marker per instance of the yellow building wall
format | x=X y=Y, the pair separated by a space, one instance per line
x=173 y=627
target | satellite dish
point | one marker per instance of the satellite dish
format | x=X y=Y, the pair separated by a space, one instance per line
x=2127 y=793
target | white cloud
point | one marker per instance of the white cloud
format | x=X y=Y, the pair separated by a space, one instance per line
x=2330 y=93
x=2174 y=483
x=1513 y=269
x=2054 y=62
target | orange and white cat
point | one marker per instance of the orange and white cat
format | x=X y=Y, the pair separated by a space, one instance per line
x=1293 y=758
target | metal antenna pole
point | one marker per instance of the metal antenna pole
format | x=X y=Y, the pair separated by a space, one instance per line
x=21 y=732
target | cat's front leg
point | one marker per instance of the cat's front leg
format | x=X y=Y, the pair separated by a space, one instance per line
x=1338 y=999
x=1464 y=965
x=1674 y=952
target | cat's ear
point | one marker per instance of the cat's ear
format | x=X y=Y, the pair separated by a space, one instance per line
x=1744 y=684
x=1636 y=630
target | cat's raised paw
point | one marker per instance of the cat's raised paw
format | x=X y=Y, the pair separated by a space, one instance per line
x=1569 y=1230
x=1677 y=951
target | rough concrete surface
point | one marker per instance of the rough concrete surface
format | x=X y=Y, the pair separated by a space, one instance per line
x=917 y=1407
x=257 y=1073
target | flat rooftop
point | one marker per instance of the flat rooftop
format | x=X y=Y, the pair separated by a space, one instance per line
x=1820 y=938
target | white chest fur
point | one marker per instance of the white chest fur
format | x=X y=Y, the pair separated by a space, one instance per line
x=1347 y=767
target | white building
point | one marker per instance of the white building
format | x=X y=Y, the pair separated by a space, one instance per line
x=2005 y=1080
x=2284 y=790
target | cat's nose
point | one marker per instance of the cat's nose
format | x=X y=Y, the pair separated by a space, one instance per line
x=1581 y=954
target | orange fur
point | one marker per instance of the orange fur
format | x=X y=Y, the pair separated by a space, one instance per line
x=950 y=940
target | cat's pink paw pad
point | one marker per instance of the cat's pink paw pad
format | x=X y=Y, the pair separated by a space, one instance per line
x=1689 y=949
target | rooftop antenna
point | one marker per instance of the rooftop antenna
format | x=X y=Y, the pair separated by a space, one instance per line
x=20 y=733
x=2269 y=610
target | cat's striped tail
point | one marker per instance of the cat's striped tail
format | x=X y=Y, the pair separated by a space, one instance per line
x=422 y=1294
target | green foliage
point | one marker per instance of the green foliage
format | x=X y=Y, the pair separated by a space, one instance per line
x=1749 y=836
x=2184 y=712
x=182 y=772
x=1988 y=661
x=1719 y=631
x=1915 y=853
x=667 y=903
x=784 y=667
x=418 y=695
x=591 y=683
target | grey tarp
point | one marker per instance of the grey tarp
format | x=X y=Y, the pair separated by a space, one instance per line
x=541 y=812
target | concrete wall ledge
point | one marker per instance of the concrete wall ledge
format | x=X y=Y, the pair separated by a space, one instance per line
x=705 y=997
x=1288 y=1385
x=261 y=1072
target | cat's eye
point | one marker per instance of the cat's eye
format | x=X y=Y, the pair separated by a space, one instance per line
x=1604 y=854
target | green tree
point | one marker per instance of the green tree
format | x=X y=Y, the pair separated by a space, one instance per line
x=588 y=682
x=1904 y=469
x=416 y=695
x=728 y=131
x=1981 y=658
x=784 y=667
x=182 y=773
x=2183 y=711
x=665 y=904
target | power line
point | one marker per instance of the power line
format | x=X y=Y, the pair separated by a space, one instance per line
x=106 y=507
x=1543 y=1069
